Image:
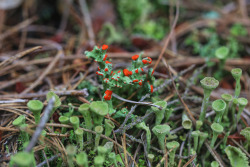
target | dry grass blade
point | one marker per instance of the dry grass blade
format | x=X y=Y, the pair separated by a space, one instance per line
x=190 y=161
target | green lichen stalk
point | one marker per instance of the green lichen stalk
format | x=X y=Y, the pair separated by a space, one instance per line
x=234 y=105
x=217 y=129
x=195 y=135
x=102 y=151
x=57 y=103
x=242 y=104
x=227 y=98
x=35 y=106
x=202 y=137
x=98 y=161
x=236 y=73
x=112 y=158
x=98 y=130
x=109 y=126
x=79 y=138
x=159 y=114
x=20 y=123
x=198 y=124
x=109 y=146
x=143 y=126
x=160 y=132
x=208 y=84
x=82 y=159
x=174 y=145
x=70 y=151
x=219 y=107
x=85 y=111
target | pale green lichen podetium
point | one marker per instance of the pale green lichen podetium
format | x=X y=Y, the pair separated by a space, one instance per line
x=143 y=126
x=186 y=122
x=82 y=159
x=64 y=120
x=237 y=157
x=198 y=124
x=22 y=159
x=102 y=151
x=112 y=158
x=208 y=84
x=159 y=114
x=74 y=120
x=151 y=158
x=234 y=105
x=98 y=130
x=242 y=104
x=174 y=145
x=109 y=146
x=202 y=137
x=79 y=138
x=219 y=107
x=160 y=132
x=57 y=103
x=85 y=111
x=20 y=122
x=227 y=98
x=236 y=73
x=195 y=135
x=246 y=133
x=217 y=129
x=98 y=161
x=70 y=151
x=221 y=53
x=214 y=164
x=98 y=110
x=35 y=106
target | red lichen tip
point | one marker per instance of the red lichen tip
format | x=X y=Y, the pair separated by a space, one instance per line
x=126 y=72
x=135 y=57
x=105 y=57
x=135 y=80
x=140 y=83
x=108 y=94
x=136 y=71
x=104 y=47
x=144 y=61
x=106 y=69
x=107 y=62
x=152 y=72
x=151 y=88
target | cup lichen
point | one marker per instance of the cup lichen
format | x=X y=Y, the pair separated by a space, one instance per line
x=236 y=73
x=159 y=113
x=160 y=132
x=98 y=110
x=219 y=107
x=35 y=106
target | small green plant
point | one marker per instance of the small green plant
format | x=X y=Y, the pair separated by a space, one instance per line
x=217 y=129
x=98 y=161
x=242 y=104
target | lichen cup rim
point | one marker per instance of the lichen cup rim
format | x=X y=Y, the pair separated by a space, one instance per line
x=98 y=129
x=99 y=107
x=65 y=119
x=236 y=72
x=160 y=129
x=218 y=128
x=173 y=144
x=209 y=83
x=74 y=119
x=110 y=123
x=71 y=149
x=162 y=104
x=79 y=131
x=227 y=97
x=19 y=120
x=219 y=105
x=23 y=158
x=35 y=105
x=242 y=101
x=221 y=52
x=83 y=107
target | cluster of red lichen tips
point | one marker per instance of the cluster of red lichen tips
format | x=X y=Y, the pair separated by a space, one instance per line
x=119 y=79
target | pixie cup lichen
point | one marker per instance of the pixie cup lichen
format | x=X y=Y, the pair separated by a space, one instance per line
x=237 y=157
x=202 y=137
x=227 y=98
x=217 y=129
x=151 y=158
x=208 y=84
x=109 y=146
x=219 y=107
x=174 y=145
x=112 y=158
x=35 y=106
x=57 y=103
x=234 y=105
x=186 y=122
x=160 y=132
x=98 y=130
x=143 y=126
x=22 y=159
x=236 y=73
x=195 y=135
x=79 y=138
x=98 y=110
x=109 y=126
x=64 y=120
x=85 y=111
x=98 y=161
x=159 y=113
x=198 y=124
x=215 y=164
x=246 y=133
x=70 y=151
x=102 y=151
x=20 y=122
x=221 y=53
x=82 y=159
x=74 y=120
x=242 y=104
